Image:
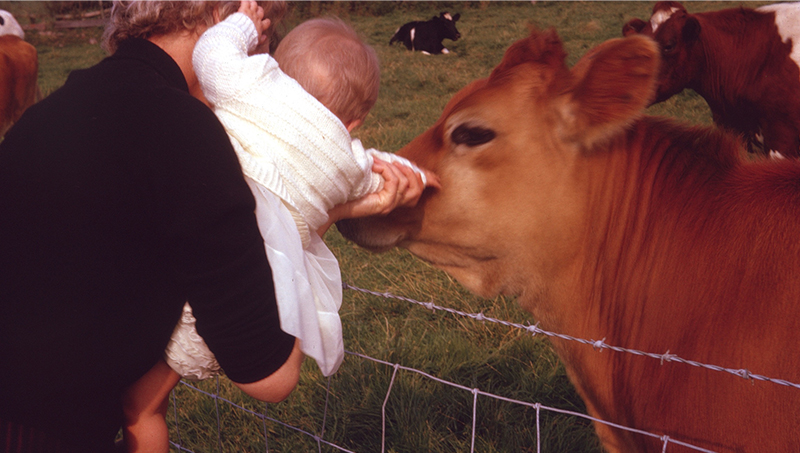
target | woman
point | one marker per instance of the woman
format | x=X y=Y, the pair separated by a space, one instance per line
x=120 y=199
x=305 y=273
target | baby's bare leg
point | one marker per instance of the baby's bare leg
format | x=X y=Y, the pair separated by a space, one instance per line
x=145 y=407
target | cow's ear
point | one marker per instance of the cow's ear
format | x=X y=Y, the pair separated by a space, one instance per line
x=541 y=47
x=633 y=27
x=691 y=30
x=456 y=17
x=610 y=88
x=668 y=5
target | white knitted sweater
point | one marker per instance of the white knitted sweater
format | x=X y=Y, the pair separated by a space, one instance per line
x=285 y=139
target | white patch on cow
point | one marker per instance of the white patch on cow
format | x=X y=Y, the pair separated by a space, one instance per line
x=775 y=155
x=448 y=16
x=445 y=50
x=411 y=33
x=787 y=19
x=660 y=17
x=10 y=25
x=425 y=52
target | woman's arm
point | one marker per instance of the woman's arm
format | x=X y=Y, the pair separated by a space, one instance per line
x=278 y=385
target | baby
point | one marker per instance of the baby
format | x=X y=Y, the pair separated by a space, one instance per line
x=293 y=140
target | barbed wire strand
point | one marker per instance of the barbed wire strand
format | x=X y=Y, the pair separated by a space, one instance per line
x=597 y=344
x=533 y=329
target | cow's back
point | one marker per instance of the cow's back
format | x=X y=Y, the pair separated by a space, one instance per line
x=18 y=79
x=787 y=19
x=744 y=62
x=405 y=34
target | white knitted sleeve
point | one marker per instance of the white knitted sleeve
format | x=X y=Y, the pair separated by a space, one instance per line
x=221 y=60
x=394 y=158
x=370 y=182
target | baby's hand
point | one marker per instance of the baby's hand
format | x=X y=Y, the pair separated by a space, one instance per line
x=402 y=188
x=256 y=14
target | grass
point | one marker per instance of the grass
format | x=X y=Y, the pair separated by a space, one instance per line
x=422 y=415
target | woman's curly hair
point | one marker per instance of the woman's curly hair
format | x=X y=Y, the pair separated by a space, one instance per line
x=144 y=18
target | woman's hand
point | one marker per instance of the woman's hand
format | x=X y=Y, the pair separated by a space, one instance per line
x=256 y=14
x=402 y=187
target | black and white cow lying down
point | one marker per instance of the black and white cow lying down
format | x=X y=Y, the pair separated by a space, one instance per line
x=427 y=36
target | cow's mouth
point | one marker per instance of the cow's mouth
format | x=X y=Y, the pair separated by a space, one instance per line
x=358 y=231
x=444 y=255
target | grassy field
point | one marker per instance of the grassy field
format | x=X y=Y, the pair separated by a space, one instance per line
x=422 y=415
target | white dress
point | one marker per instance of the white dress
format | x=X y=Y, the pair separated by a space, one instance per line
x=299 y=161
x=308 y=288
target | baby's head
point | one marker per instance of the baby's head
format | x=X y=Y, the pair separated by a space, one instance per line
x=331 y=62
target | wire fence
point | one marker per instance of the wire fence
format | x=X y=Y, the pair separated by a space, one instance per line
x=320 y=441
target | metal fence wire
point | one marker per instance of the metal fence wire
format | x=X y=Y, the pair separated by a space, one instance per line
x=598 y=345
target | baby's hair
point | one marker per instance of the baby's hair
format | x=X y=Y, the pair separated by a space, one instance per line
x=331 y=62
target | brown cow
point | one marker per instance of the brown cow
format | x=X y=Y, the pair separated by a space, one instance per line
x=19 y=70
x=607 y=224
x=743 y=62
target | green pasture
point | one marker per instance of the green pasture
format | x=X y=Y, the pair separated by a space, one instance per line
x=422 y=415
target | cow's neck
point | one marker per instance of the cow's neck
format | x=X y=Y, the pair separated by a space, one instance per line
x=629 y=187
x=728 y=63
x=643 y=192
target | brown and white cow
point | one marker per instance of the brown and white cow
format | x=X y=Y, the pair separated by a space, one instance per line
x=608 y=224
x=19 y=70
x=743 y=62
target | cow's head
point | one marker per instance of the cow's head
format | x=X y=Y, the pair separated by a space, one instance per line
x=9 y=25
x=509 y=152
x=448 y=25
x=677 y=33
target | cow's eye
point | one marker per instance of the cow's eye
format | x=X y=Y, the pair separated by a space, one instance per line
x=471 y=135
x=669 y=46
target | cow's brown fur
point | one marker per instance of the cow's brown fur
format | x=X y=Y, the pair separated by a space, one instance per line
x=737 y=61
x=19 y=70
x=606 y=224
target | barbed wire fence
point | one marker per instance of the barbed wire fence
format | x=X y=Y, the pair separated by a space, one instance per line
x=320 y=441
